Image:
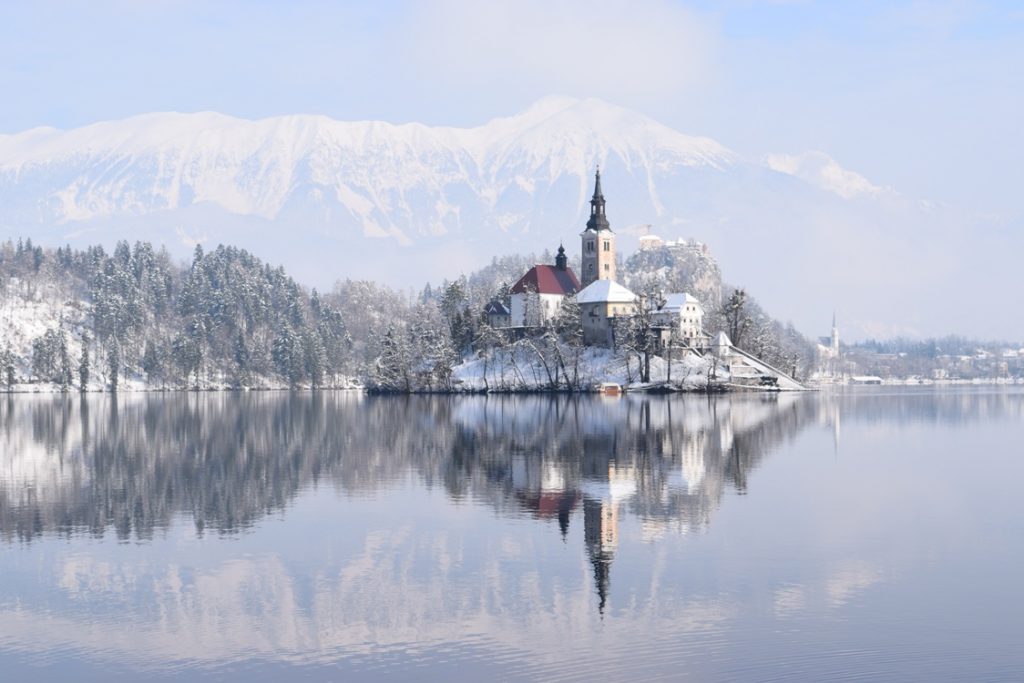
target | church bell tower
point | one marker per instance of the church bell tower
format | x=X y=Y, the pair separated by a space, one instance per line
x=598 y=241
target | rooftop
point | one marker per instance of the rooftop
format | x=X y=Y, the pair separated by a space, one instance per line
x=675 y=302
x=605 y=291
x=547 y=280
x=496 y=308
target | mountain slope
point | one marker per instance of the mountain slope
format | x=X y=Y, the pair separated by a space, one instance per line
x=380 y=175
x=407 y=203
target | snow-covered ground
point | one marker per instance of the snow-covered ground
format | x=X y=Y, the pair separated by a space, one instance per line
x=521 y=368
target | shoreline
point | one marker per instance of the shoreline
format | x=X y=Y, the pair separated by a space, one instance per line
x=653 y=389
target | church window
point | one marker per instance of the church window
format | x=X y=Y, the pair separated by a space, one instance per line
x=607 y=245
x=606 y=267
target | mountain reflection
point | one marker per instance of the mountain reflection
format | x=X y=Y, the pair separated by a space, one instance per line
x=383 y=526
x=131 y=465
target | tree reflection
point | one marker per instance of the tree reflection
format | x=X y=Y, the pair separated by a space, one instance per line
x=132 y=465
x=604 y=477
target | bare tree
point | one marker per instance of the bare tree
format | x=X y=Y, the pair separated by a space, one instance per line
x=568 y=326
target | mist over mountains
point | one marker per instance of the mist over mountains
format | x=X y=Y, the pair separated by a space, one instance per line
x=408 y=203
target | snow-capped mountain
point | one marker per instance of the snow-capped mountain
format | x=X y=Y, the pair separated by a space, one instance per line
x=403 y=181
x=406 y=203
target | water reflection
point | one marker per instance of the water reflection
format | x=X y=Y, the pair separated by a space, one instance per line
x=316 y=528
x=129 y=466
x=665 y=462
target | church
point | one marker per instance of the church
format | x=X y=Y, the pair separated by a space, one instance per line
x=538 y=295
x=602 y=300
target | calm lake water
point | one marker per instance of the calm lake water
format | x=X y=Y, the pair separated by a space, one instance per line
x=874 y=534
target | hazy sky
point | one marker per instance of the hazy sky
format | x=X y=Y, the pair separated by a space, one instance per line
x=926 y=98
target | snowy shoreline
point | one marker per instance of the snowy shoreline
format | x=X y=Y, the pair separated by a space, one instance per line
x=649 y=388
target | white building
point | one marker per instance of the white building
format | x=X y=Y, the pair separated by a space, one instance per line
x=600 y=303
x=683 y=314
x=538 y=295
x=651 y=242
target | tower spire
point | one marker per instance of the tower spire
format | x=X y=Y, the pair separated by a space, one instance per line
x=561 y=261
x=598 y=221
x=598 y=240
x=835 y=336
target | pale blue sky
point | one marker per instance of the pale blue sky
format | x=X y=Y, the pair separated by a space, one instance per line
x=925 y=97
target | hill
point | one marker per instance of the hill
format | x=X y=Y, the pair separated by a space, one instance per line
x=93 y=320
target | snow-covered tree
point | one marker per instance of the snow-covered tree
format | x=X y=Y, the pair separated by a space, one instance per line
x=568 y=324
x=83 y=365
x=737 y=319
x=113 y=365
x=7 y=360
x=392 y=370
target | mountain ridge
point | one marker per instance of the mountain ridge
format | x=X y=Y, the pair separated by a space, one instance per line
x=409 y=203
x=159 y=161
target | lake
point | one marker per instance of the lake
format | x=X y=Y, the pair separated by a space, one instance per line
x=857 y=534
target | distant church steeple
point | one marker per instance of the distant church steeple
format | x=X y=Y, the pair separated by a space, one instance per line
x=561 y=261
x=598 y=241
x=835 y=335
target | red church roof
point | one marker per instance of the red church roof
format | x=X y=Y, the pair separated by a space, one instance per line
x=547 y=280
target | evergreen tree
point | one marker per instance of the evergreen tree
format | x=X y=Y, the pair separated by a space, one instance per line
x=313 y=357
x=504 y=294
x=7 y=361
x=113 y=365
x=187 y=352
x=44 y=355
x=287 y=355
x=66 y=373
x=152 y=363
x=83 y=365
x=736 y=319
x=243 y=360
x=392 y=370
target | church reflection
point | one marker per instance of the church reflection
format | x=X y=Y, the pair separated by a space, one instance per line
x=664 y=462
x=137 y=465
